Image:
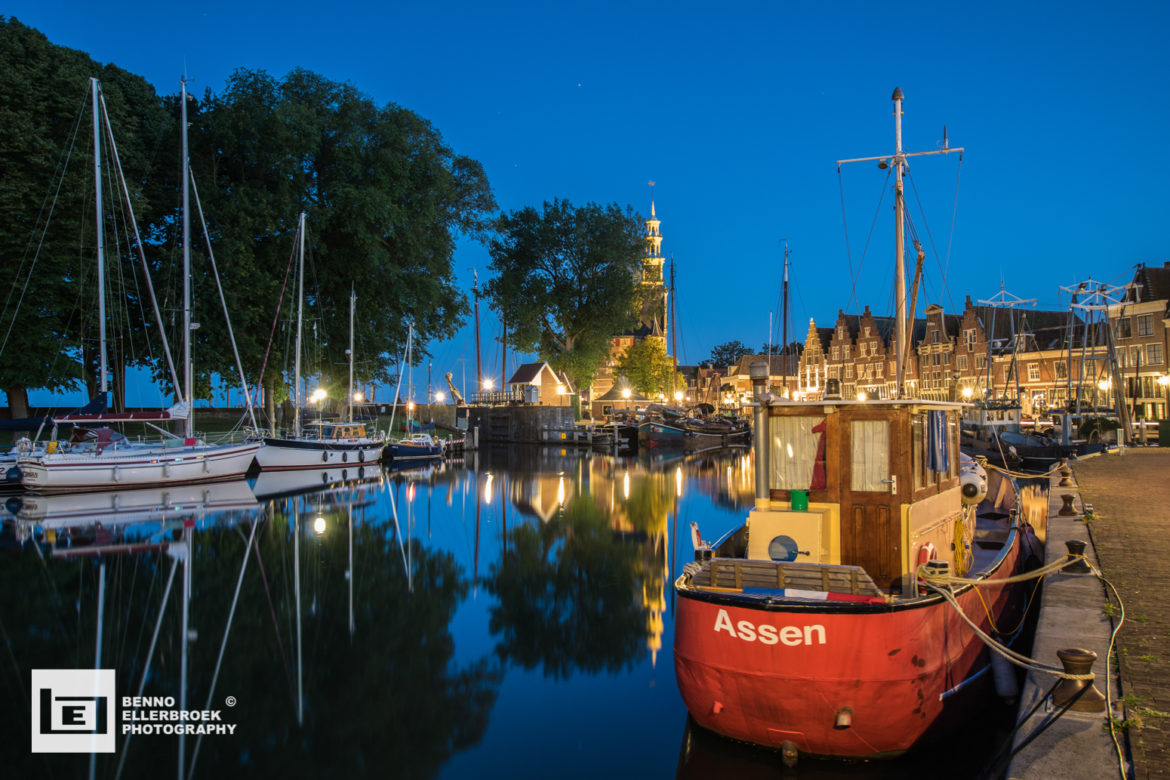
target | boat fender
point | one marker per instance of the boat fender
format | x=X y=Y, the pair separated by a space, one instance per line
x=345 y=457
x=1007 y=687
x=13 y=476
x=926 y=553
x=325 y=457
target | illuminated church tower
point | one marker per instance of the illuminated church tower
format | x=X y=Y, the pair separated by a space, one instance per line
x=652 y=288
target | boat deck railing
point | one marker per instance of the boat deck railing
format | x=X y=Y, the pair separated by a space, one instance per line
x=736 y=574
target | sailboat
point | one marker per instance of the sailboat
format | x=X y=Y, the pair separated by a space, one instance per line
x=839 y=620
x=414 y=446
x=101 y=458
x=333 y=443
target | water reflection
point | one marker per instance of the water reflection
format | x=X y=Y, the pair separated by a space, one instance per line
x=370 y=622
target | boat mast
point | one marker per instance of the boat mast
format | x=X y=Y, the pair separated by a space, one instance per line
x=188 y=380
x=349 y=397
x=673 y=335
x=784 y=329
x=478 y=366
x=101 y=257
x=899 y=162
x=900 y=249
x=300 y=315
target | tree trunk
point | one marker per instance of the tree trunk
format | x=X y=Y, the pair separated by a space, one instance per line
x=270 y=408
x=17 y=401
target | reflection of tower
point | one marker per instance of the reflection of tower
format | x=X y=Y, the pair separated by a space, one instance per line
x=653 y=286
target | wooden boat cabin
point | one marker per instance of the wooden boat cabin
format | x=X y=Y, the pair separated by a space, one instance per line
x=869 y=484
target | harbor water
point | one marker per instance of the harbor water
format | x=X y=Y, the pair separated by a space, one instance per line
x=508 y=615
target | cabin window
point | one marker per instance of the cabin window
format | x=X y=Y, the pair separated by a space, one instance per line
x=797 y=455
x=870 y=456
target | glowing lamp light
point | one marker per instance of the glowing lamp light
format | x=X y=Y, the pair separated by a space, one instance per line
x=358 y=397
x=678 y=396
x=487 y=489
x=318 y=525
x=862 y=396
x=678 y=481
x=968 y=392
x=626 y=392
x=318 y=395
x=440 y=396
x=1104 y=384
x=626 y=486
x=1164 y=380
x=561 y=390
x=488 y=383
x=410 y=406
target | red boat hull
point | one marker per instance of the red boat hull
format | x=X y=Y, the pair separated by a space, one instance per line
x=783 y=672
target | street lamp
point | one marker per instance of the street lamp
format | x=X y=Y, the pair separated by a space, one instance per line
x=861 y=396
x=488 y=384
x=678 y=395
x=318 y=395
x=358 y=397
x=968 y=391
x=439 y=396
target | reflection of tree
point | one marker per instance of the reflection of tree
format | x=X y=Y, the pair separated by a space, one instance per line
x=567 y=595
x=386 y=701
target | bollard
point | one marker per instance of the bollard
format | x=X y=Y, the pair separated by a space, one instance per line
x=1076 y=554
x=1065 y=475
x=1067 y=510
x=1076 y=660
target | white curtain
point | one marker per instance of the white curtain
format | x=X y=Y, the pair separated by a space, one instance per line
x=794 y=452
x=870 y=456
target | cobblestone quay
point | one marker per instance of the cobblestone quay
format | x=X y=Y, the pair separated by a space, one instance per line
x=1130 y=494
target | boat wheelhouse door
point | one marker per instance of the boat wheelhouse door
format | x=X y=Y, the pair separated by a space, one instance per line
x=872 y=492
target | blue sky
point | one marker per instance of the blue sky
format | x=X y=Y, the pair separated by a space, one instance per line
x=738 y=113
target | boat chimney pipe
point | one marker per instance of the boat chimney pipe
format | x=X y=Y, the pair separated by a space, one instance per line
x=759 y=375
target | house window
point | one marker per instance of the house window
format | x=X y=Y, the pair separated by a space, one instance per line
x=980 y=362
x=1124 y=330
x=1146 y=325
x=848 y=370
x=836 y=353
x=848 y=350
x=1153 y=354
x=1033 y=372
x=962 y=362
x=934 y=337
x=861 y=349
x=1062 y=370
x=1135 y=357
x=970 y=334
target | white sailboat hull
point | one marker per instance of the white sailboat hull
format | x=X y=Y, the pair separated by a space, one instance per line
x=136 y=466
x=318 y=454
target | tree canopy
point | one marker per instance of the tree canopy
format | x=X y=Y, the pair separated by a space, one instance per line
x=566 y=279
x=648 y=367
x=386 y=200
x=728 y=353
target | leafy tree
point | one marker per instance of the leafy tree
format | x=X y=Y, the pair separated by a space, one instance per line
x=566 y=280
x=48 y=327
x=648 y=367
x=385 y=200
x=728 y=353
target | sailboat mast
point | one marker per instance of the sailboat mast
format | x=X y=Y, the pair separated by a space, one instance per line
x=478 y=365
x=349 y=396
x=188 y=379
x=300 y=315
x=101 y=256
x=900 y=249
x=784 y=326
x=673 y=335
